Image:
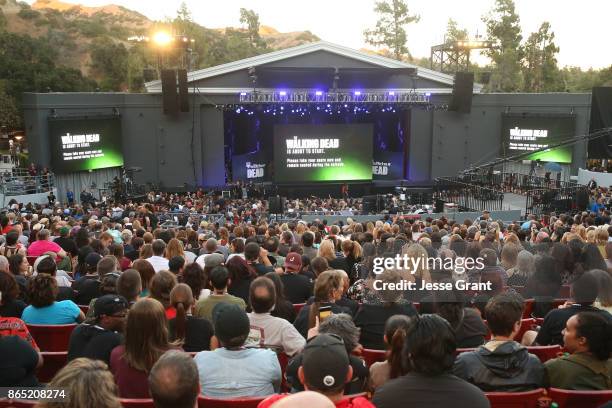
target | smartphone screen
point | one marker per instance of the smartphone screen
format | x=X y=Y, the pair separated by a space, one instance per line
x=324 y=313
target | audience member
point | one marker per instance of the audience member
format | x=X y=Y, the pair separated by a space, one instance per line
x=157 y=260
x=194 y=332
x=173 y=381
x=129 y=285
x=298 y=288
x=161 y=285
x=396 y=328
x=219 y=280
x=43 y=308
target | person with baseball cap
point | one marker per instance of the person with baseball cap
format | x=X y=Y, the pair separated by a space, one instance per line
x=298 y=288
x=232 y=371
x=96 y=337
x=325 y=369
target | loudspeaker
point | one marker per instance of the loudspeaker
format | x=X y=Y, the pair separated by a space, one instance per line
x=277 y=204
x=373 y=204
x=439 y=206
x=169 y=95
x=183 y=90
x=463 y=89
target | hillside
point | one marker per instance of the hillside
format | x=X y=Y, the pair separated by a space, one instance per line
x=75 y=31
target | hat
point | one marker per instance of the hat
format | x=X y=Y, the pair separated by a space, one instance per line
x=213 y=260
x=109 y=305
x=293 y=262
x=92 y=259
x=230 y=321
x=325 y=362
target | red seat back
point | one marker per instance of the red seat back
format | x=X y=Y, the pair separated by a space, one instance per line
x=18 y=403
x=579 y=399
x=545 y=353
x=297 y=307
x=137 y=403
x=51 y=337
x=528 y=308
x=528 y=399
x=53 y=361
x=526 y=324
x=247 y=402
x=371 y=356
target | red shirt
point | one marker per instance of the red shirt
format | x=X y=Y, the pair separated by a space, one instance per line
x=37 y=248
x=131 y=383
x=12 y=326
x=347 y=402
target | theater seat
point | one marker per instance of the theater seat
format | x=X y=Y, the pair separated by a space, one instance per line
x=51 y=337
x=247 y=402
x=579 y=399
x=526 y=324
x=84 y=308
x=371 y=356
x=528 y=399
x=53 y=361
x=137 y=403
x=528 y=308
x=545 y=353
x=18 y=403
x=565 y=292
x=297 y=307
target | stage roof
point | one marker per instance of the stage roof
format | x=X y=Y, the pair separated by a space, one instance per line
x=318 y=58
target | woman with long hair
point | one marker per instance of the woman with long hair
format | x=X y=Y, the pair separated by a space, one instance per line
x=174 y=248
x=328 y=289
x=194 y=277
x=146 y=251
x=282 y=307
x=146 y=271
x=146 y=339
x=87 y=383
x=194 y=332
x=20 y=268
x=604 y=284
x=328 y=251
x=161 y=285
x=241 y=276
x=117 y=251
x=352 y=253
x=395 y=335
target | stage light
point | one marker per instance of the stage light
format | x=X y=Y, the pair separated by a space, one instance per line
x=162 y=38
x=282 y=108
x=243 y=93
x=319 y=93
x=391 y=93
x=427 y=93
x=357 y=93
x=283 y=93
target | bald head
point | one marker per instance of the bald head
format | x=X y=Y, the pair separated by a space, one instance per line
x=4 y=264
x=174 y=381
x=304 y=399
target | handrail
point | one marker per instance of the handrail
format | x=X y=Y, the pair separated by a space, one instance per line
x=14 y=182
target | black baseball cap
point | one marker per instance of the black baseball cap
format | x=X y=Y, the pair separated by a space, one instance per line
x=325 y=362
x=109 y=305
x=230 y=321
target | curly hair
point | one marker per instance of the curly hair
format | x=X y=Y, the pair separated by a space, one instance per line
x=42 y=290
x=8 y=287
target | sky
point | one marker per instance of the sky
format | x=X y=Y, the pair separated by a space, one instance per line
x=581 y=28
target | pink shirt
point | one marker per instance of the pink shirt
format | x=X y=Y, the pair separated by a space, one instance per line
x=37 y=248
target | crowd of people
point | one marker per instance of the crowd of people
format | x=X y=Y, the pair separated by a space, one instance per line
x=174 y=310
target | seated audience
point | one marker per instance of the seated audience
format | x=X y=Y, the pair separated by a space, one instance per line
x=43 y=308
x=257 y=257
x=282 y=307
x=173 y=381
x=146 y=339
x=298 y=288
x=429 y=353
x=219 y=280
x=502 y=364
x=588 y=339
x=20 y=354
x=325 y=369
x=129 y=285
x=43 y=244
x=395 y=335
x=10 y=305
x=241 y=276
x=88 y=383
x=233 y=371
x=96 y=337
x=371 y=317
x=267 y=330
x=157 y=260
x=146 y=271
x=193 y=332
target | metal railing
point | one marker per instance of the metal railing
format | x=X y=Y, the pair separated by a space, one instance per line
x=546 y=200
x=515 y=182
x=17 y=181
x=467 y=195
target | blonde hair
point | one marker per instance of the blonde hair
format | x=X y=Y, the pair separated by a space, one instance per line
x=327 y=250
x=146 y=251
x=174 y=248
x=88 y=383
x=416 y=252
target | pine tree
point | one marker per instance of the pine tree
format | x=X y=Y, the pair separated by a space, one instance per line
x=390 y=31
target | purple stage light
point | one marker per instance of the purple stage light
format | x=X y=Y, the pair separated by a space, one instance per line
x=428 y=94
x=282 y=93
x=357 y=93
x=319 y=93
x=392 y=93
x=242 y=93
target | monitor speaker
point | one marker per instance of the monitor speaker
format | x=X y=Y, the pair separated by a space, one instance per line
x=439 y=206
x=183 y=90
x=169 y=94
x=463 y=88
x=277 y=204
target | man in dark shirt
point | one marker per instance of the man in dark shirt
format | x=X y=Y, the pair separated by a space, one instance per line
x=307 y=242
x=88 y=286
x=298 y=288
x=96 y=338
x=429 y=354
x=584 y=293
x=66 y=243
x=257 y=257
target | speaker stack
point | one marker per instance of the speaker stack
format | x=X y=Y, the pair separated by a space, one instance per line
x=174 y=100
x=463 y=89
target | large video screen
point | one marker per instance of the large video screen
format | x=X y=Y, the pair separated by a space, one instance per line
x=85 y=144
x=527 y=132
x=315 y=153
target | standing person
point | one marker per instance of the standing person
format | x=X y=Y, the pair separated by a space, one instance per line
x=429 y=354
x=70 y=197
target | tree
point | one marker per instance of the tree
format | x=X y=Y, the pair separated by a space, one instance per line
x=9 y=112
x=503 y=27
x=454 y=33
x=390 y=31
x=110 y=62
x=540 y=71
x=251 y=20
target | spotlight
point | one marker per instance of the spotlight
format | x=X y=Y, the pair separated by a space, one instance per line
x=357 y=93
x=319 y=93
x=428 y=94
x=243 y=93
x=282 y=93
x=162 y=38
x=391 y=93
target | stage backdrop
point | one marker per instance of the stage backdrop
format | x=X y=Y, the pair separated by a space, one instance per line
x=249 y=139
x=525 y=132
x=79 y=144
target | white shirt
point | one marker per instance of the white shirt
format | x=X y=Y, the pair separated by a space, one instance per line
x=274 y=331
x=159 y=263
